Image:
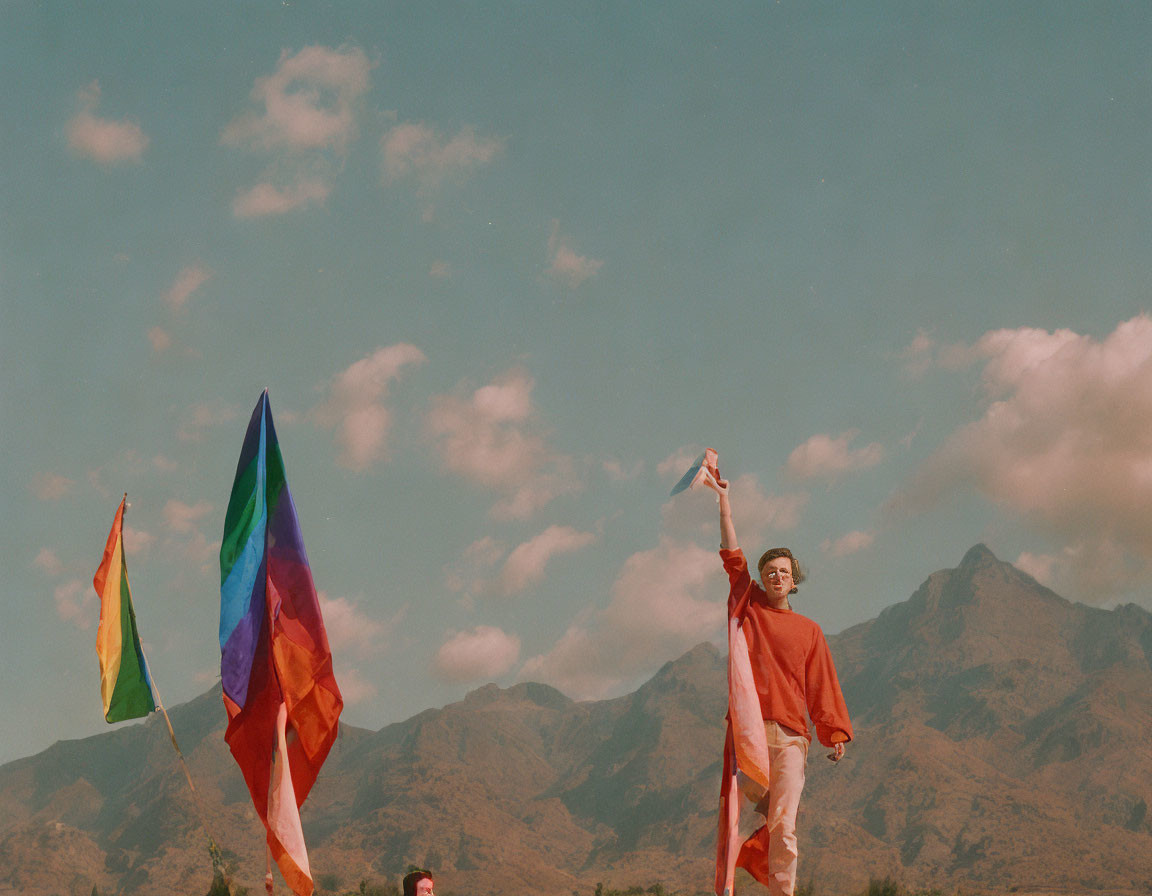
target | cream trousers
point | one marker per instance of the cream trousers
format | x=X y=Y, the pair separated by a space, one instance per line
x=787 y=757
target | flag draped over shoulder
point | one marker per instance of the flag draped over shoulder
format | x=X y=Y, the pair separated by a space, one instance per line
x=125 y=686
x=276 y=668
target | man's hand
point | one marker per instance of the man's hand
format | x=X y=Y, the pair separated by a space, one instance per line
x=837 y=753
x=714 y=482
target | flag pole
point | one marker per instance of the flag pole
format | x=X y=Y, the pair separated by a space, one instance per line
x=213 y=849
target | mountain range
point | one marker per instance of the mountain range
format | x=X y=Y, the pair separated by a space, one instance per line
x=1001 y=746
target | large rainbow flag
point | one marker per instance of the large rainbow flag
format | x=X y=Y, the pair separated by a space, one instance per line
x=125 y=686
x=281 y=696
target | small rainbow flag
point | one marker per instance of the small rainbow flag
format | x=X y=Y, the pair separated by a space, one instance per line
x=275 y=665
x=125 y=685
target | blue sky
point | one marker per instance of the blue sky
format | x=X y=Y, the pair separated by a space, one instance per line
x=506 y=268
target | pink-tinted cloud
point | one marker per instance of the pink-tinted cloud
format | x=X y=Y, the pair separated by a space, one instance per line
x=492 y=438
x=47 y=561
x=663 y=602
x=159 y=339
x=307 y=103
x=416 y=150
x=352 y=630
x=104 y=140
x=165 y=464
x=925 y=352
x=470 y=572
x=678 y=462
x=852 y=543
x=353 y=688
x=1093 y=568
x=355 y=404
x=305 y=121
x=1065 y=441
x=187 y=282
x=565 y=265
x=526 y=564
x=616 y=470
x=756 y=514
x=825 y=456
x=76 y=602
x=137 y=542
x=185 y=518
x=203 y=415
x=483 y=653
x=50 y=486
x=268 y=199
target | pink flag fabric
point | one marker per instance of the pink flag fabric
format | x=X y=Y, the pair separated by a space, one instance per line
x=745 y=750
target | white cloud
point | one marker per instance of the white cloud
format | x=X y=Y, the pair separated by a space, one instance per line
x=165 y=464
x=491 y=438
x=1041 y=567
x=565 y=265
x=848 y=544
x=469 y=572
x=825 y=456
x=268 y=199
x=76 y=602
x=664 y=601
x=305 y=122
x=1094 y=568
x=351 y=630
x=924 y=352
x=415 y=150
x=355 y=404
x=104 y=140
x=50 y=486
x=526 y=564
x=353 y=688
x=483 y=653
x=756 y=514
x=615 y=470
x=201 y=416
x=1065 y=441
x=677 y=463
x=159 y=340
x=137 y=542
x=47 y=561
x=307 y=103
x=187 y=282
x=184 y=518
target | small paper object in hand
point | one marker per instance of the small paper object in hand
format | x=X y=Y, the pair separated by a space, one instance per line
x=702 y=472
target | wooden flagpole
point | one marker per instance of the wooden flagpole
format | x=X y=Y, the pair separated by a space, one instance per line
x=213 y=849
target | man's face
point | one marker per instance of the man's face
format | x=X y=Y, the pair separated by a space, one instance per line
x=776 y=577
x=424 y=887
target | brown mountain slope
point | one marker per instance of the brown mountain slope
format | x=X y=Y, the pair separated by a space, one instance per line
x=1001 y=743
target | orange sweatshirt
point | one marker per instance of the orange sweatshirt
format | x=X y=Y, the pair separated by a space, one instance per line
x=791 y=662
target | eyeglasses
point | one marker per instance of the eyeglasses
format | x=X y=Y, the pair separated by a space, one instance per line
x=778 y=574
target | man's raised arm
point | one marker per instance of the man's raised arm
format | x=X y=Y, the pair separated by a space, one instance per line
x=727 y=529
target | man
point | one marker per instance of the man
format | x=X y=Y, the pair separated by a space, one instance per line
x=418 y=883
x=793 y=673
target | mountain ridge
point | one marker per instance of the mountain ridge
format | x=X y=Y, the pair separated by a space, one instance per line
x=1000 y=744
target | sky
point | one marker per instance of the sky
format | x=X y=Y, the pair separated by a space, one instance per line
x=507 y=268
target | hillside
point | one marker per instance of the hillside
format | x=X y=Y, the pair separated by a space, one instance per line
x=1001 y=744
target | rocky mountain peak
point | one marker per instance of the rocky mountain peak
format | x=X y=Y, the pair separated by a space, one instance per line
x=978 y=555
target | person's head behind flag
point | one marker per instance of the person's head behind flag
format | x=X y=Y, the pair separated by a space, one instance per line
x=418 y=882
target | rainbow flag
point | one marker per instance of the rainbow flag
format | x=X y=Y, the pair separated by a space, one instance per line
x=125 y=686
x=275 y=665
